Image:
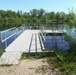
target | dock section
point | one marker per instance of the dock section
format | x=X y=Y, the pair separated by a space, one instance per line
x=27 y=42
x=30 y=41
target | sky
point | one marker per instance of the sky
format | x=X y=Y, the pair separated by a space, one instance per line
x=47 y=5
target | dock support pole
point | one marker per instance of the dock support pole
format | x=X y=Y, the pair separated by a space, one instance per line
x=5 y=39
x=15 y=33
x=44 y=38
x=0 y=36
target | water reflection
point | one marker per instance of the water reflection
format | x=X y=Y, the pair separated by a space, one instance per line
x=56 y=42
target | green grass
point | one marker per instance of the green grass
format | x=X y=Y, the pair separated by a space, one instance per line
x=1 y=52
x=6 y=65
x=68 y=64
x=25 y=56
x=45 y=54
x=36 y=55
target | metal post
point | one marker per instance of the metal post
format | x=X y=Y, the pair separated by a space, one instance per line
x=40 y=40
x=44 y=38
x=5 y=39
x=30 y=44
x=0 y=36
x=36 y=43
x=15 y=32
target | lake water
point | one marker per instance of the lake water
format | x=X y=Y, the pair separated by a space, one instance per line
x=56 y=42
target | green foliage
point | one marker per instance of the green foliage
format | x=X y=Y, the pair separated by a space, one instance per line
x=37 y=55
x=45 y=54
x=25 y=56
x=1 y=52
x=11 y=18
x=68 y=64
x=6 y=65
x=68 y=37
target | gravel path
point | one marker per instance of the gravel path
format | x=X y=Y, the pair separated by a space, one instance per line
x=30 y=67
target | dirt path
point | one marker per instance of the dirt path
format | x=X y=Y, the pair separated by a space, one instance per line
x=29 y=67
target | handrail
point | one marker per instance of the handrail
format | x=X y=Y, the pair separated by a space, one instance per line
x=5 y=34
x=30 y=44
x=6 y=38
x=36 y=42
x=42 y=44
x=42 y=36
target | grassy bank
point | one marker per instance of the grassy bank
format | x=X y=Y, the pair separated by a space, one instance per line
x=1 y=52
x=67 y=65
x=36 y=55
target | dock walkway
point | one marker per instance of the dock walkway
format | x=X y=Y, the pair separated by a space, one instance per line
x=28 y=41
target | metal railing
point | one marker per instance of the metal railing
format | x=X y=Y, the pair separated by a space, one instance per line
x=13 y=32
x=5 y=37
x=36 y=43
x=30 y=44
x=54 y=40
x=41 y=42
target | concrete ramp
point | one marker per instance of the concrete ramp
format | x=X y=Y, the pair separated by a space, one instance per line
x=10 y=58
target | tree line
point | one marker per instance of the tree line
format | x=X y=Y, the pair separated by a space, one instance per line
x=9 y=18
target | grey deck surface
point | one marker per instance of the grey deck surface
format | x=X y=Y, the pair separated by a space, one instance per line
x=22 y=44
x=28 y=42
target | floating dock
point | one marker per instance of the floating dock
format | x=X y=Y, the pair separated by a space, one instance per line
x=29 y=41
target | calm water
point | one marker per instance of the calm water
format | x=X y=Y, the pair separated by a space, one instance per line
x=56 y=42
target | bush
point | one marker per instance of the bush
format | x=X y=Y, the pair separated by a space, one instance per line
x=68 y=64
